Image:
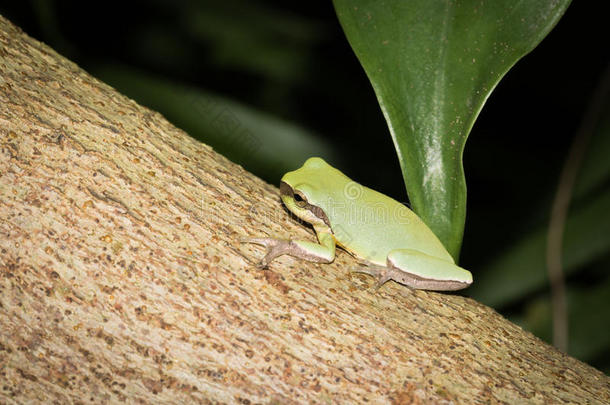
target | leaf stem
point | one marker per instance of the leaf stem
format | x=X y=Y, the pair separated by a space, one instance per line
x=559 y=211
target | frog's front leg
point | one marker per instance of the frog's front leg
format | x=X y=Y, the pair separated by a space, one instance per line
x=323 y=252
x=420 y=271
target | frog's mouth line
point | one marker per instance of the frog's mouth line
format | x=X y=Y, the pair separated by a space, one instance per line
x=286 y=190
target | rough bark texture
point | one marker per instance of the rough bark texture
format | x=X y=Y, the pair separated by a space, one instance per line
x=122 y=278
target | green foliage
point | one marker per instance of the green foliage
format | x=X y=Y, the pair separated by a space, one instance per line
x=432 y=65
x=244 y=35
x=520 y=269
x=254 y=139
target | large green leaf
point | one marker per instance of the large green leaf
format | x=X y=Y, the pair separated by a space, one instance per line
x=433 y=64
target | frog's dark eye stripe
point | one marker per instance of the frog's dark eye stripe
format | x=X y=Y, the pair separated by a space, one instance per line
x=285 y=189
x=301 y=201
x=318 y=212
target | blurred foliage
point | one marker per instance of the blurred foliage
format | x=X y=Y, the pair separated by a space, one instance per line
x=259 y=141
x=286 y=69
x=586 y=252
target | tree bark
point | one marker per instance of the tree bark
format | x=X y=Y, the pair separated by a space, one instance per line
x=122 y=278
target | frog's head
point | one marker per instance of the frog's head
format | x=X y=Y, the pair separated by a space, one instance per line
x=302 y=190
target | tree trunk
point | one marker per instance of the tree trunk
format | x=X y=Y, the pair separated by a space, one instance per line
x=122 y=278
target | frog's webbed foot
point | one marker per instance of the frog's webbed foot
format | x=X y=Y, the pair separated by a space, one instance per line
x=381 y=274
x=275 y=248
x=310 y=251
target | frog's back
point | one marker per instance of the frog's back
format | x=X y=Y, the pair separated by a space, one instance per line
x=373 y=224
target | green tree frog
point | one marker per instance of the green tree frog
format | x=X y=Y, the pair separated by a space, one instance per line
x=390 y=241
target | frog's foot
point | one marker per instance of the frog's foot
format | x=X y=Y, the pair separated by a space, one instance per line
x=275 y=248
x=313 y=252
x=381 y=273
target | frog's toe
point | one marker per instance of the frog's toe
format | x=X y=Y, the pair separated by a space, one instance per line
x=380 y=273
x=275 y=248
x=267 y=242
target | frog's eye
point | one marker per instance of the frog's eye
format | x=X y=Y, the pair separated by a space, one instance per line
x=300 y=200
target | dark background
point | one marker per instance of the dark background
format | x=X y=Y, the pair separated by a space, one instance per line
x=291 y=60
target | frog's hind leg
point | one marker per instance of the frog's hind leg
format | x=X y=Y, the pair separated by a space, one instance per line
x=381 y=274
